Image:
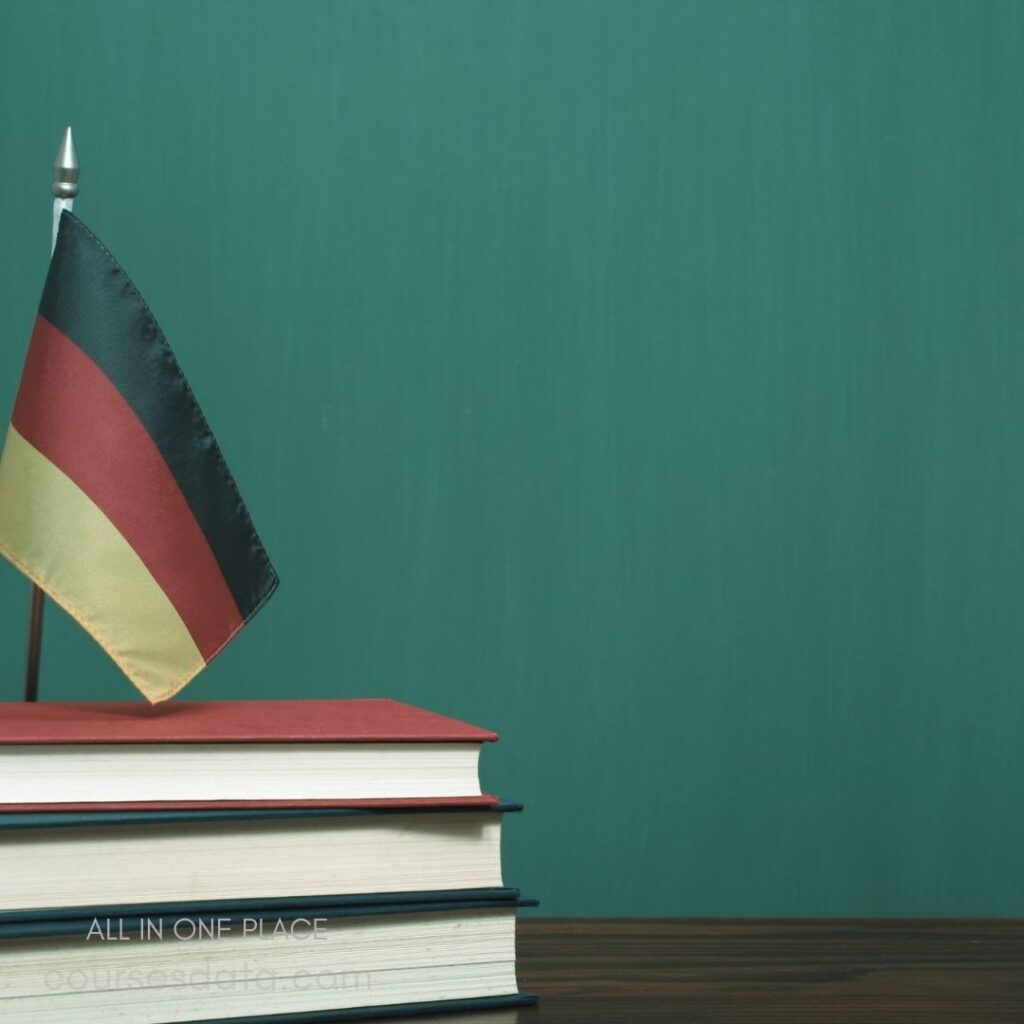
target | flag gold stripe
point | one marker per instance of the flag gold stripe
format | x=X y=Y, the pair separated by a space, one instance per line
x=61 y=540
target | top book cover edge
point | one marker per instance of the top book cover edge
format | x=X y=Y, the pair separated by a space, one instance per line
x=369 y=720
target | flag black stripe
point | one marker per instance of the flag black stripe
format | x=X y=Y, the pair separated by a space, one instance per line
x=90 y=298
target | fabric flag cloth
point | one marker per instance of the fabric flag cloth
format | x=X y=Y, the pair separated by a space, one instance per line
x=114 y=496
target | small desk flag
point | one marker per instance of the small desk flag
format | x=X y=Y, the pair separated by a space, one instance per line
x=114 y=496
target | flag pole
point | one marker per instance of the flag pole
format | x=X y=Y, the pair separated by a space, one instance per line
x=64 y=189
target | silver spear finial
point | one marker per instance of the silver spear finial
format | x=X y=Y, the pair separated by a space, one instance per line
x=65 y=168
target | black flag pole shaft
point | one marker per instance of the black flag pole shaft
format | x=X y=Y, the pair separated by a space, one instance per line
x=35 y=643
x=64 y=189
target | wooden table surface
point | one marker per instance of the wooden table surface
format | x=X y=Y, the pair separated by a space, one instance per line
x=763 y=971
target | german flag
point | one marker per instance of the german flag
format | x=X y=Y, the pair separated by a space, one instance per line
x=114 y=496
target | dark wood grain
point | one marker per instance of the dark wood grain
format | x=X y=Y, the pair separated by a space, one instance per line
x=825 y=971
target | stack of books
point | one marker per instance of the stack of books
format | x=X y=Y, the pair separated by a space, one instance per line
x=248 y=861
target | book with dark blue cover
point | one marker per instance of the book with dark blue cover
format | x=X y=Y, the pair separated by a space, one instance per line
x=385 y=1012
x=468 y=963
x=171 y=859
x=23 y=924
x=178 y=816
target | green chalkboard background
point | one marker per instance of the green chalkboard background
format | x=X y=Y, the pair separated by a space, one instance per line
x=644 y=380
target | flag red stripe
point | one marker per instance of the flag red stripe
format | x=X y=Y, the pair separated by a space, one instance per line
x=69 y=410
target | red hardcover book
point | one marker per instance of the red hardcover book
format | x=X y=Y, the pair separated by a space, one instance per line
x=370 y=752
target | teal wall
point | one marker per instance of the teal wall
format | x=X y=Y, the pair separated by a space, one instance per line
x=644 y=380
